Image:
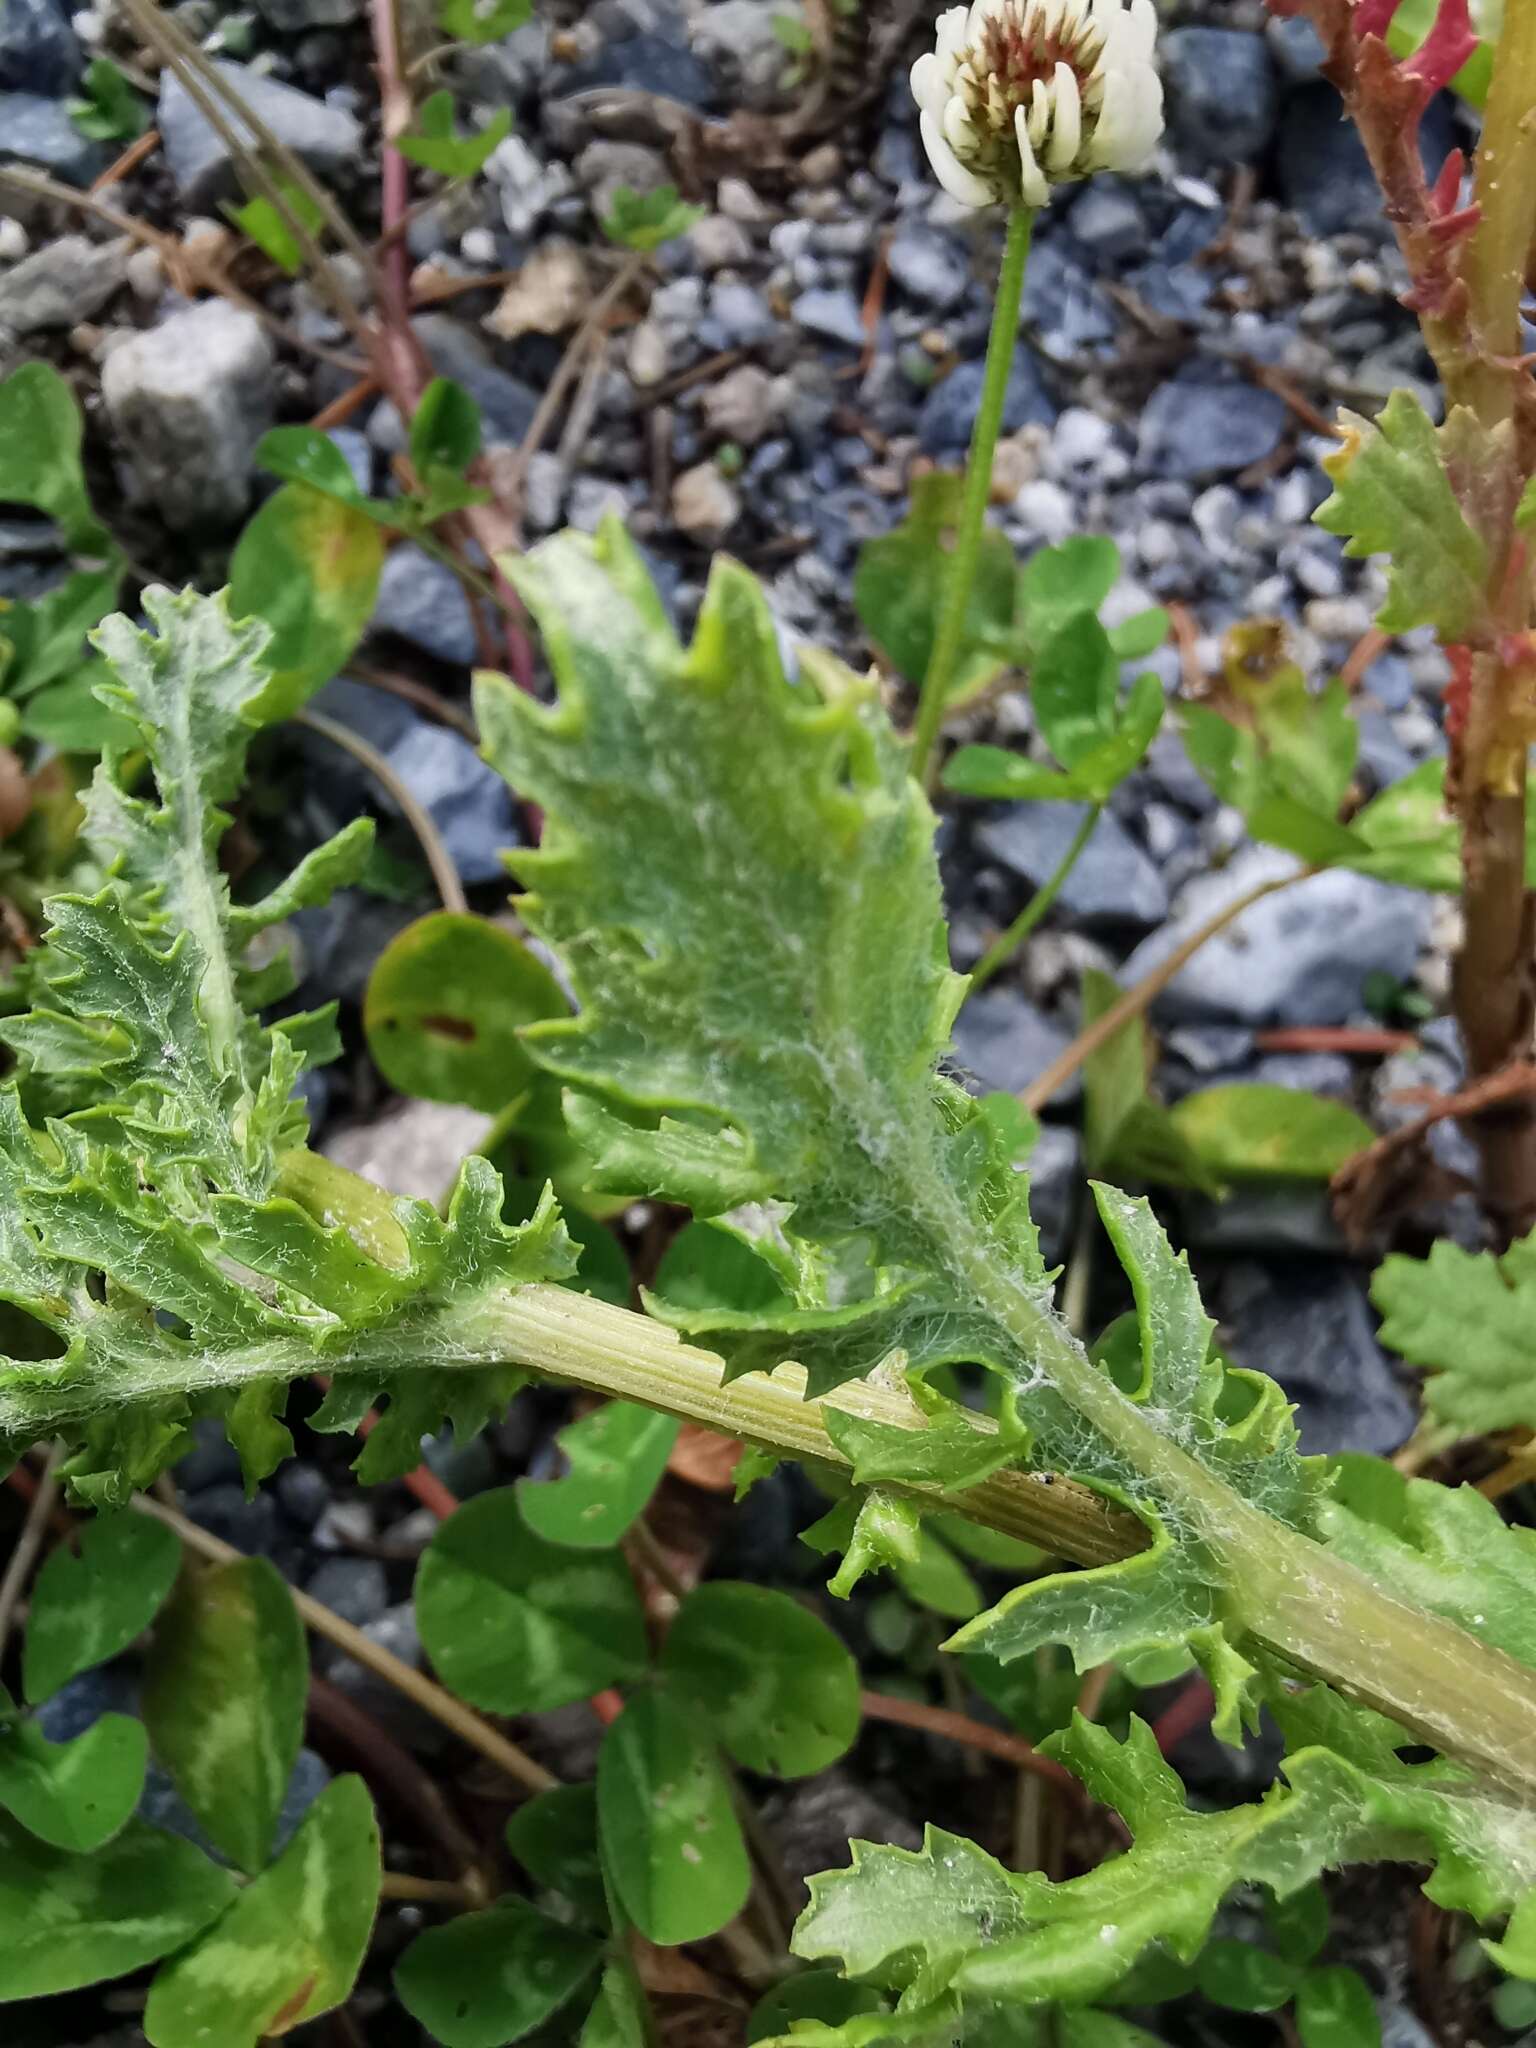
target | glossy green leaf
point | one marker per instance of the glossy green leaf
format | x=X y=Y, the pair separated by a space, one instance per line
x=1468 y=1319
x=899 y=582
x=1140 y=635
x=619 y=2016
x=1125 y=1132
x=71 y=718
x=1245 y=1978
x=436 y=145
x=305 y=455
x=268 y=225
x=446 y=1002
x=554 y=1837
x=107 y=108
x=76 y=1920
x=645 y=220
x=672 y=1844
x=489 y=1978
x=1059 y=584
x=445 y=428
x=73 y=1795
x=616 y=1455
x=41 y=432
x=519 y=1625
x=90 y=1603
x=1298 y=1925
x=812 y=1995
x=1254 y=1130
x=777 y=1687
x=308 y=566
x=291 y=1945
x=1334 y=2009
x=1098 y=771
x=483 y=21
x=1074 y=688
x=1391 y=496
x=711 y=1265
x=224 y=1693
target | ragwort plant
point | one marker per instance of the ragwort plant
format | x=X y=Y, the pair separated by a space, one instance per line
x=738 y=878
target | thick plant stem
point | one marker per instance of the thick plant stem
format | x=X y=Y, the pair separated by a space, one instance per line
x=1311 y=1609
x=1002 y=949
x=1495 y=993
x=1506 y=198
x=939 y=680
x=1495 y=980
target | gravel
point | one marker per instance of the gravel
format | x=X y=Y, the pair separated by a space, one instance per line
x=190 y=399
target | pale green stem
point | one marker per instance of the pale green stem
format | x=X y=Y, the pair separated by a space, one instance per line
x=1002 y=949
x=939 y=680
x=1296 y=1599
x=1286 y=1593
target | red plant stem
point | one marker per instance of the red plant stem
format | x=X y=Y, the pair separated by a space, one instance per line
x=954 y=1727
x=1191 y=1710
x=395 y=112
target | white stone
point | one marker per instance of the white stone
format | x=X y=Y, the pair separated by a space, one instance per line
x=190 y=399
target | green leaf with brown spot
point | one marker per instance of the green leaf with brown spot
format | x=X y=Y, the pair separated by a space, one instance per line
x=445 y=1007
x=292 y=1944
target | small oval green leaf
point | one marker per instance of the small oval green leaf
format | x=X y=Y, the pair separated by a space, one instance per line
x=776 y=1685
x=554 y=1837
x=517 y=1625
x=671 y=1841
x=292 y=1944
x=616 y=1455
x=490 y=1978
x=1244 y=1978
x=1335 y=2009
x=74 y=1795
x=444 y=1007
x=88 y=1605
x=76 y=1920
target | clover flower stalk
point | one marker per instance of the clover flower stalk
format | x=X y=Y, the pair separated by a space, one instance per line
x=1018 y=97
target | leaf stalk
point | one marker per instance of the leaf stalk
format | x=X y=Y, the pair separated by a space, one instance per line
x=939 y=679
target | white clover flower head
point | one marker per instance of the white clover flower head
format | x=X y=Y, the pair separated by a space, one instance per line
x=1023 y=95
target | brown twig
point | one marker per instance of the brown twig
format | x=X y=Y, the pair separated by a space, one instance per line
x=445 y=875
x=1140 y=998
x=1358 y=1183
x=432 y=1698
x=1366 y=650
x=341 y=409
x=128 y=162
x=954 y=1727
x=515 y=476
x=395 y=1773
x=421 y=694
x=38 y=185
x=431 y=1891
x=1346 y=1038
x=28 y=1543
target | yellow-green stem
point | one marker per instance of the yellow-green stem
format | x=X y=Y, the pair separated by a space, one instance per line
x=1506 y=197
x=939 y=680
x=1002 y=949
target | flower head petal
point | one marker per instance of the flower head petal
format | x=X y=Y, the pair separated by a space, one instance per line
x=1018 y=96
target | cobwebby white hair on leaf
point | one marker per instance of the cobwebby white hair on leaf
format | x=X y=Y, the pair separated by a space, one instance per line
x=1023 y=95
